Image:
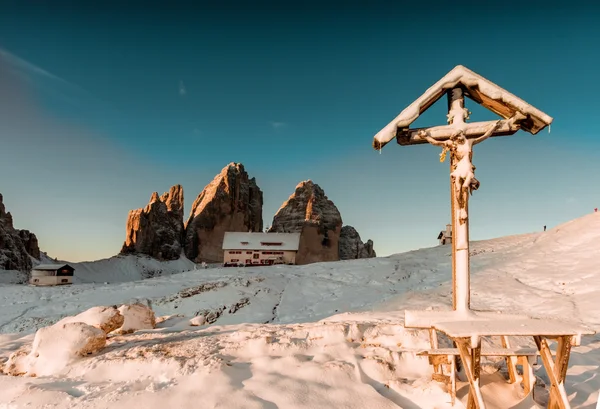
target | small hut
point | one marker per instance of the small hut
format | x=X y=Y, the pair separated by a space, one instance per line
x=259 y=249
x=52 y=274
x=445 y=236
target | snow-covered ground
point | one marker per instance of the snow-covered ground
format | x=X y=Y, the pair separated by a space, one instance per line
x=322 y=335
x=117 y=269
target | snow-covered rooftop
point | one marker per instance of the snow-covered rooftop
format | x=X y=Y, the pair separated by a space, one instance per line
x=261 y=241
x=50 y=267
x=476 y=87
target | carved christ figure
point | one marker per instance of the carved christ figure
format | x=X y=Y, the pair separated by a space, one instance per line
x=463 y=171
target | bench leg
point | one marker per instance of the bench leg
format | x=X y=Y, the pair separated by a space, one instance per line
x=555 y=370
x=528 y=376
x=471 y=362
x=433 y=341
x=511 y=362
x=452 y=379
x=563 y=351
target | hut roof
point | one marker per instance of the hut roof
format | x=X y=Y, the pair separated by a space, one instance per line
x=51 y=267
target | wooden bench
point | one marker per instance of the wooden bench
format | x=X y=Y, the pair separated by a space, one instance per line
x=446 y=357
x=466 y=329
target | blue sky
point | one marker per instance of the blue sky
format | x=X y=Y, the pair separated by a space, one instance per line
x=99 y=107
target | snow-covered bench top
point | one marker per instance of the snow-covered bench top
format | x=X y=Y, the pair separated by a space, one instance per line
x=519 y=327
x=458 y=324
x=425 y=319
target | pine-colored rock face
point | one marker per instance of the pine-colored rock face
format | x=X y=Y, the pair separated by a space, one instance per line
x=352 y=247
x=308 y=211
x=232 y=202
x=157 y=229
x=15 y=245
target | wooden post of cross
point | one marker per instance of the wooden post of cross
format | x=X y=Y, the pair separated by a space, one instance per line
x=462 y=184
x=458 y=138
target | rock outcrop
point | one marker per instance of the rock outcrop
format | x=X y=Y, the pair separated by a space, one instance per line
x=370 y=249
x=16 y=246
x=231 y=202
x=309 y=212
x=157 y=230
x=136 y=317
x=54 y=348
x=351 y=246
x=107 y=319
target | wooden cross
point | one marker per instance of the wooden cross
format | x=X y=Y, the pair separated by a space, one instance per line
x=458 y=138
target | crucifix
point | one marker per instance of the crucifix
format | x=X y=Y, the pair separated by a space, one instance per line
x=463 y=326
x=458 y=139
x=462 y=185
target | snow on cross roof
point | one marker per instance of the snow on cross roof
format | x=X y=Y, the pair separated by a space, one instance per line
x=261 y=241
x=479 y=89
x=50 y=267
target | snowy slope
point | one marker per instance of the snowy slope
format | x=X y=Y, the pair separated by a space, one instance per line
x=115 y=269
x=127 y=268
x=264 y=347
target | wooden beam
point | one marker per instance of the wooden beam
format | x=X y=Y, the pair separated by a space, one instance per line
x=558 y=394
x=433 y=341
x=475 y=398
x=511 y=361
x=563 y=350
x=442 y=133
x=452 y=380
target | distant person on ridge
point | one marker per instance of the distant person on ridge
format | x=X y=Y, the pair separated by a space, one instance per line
x=544 y=228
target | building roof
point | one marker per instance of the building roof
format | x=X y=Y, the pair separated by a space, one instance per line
x=51 y=267
x=258 y=241
x=480 y=90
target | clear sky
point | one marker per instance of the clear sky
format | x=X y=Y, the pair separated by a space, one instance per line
x=99 y=107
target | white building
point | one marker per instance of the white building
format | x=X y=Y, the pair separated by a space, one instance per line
x=255 y=249
x=52 y=274
x=445 y=237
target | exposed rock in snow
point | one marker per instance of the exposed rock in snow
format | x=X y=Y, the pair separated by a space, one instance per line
x=231 y=202
x=352 y=247
x=309 y=212
x=136 y=317
x=54 y=347
x=107 y=319
x=16 y=364
x=198 y=321
x=157 y=229
x=16 y=246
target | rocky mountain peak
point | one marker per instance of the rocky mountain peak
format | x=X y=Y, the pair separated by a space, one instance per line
x=308 y=204
x=308 y=211
x=157 y=229
x=352 y=247
x=231 y=202
x=17 y=247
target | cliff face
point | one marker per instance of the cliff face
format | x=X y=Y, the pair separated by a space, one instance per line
x=157 y=229
x=351 y=246
x=16 y=246
x=232 y=202
x=308 y=211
